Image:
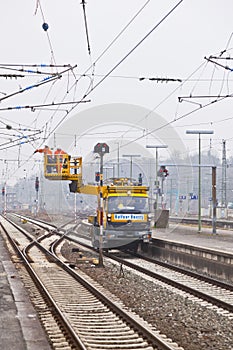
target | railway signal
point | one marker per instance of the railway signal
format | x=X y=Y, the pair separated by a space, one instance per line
x=37 y=183
x=101 y=148
x=163 y=172
x=97 y=176
x=140 y=179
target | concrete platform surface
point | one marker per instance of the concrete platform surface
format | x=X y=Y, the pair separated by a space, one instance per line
x=222 y=240
x=20 y=328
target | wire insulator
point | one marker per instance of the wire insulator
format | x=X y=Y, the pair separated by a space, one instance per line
x=45 y=26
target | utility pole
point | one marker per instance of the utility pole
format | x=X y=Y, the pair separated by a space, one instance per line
x=118 y=159
x=214 y=200
x=37 y=194
x=171 y=189
x=4 y=194
x=131 y=156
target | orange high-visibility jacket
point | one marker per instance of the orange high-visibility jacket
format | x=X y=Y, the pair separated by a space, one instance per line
x=45 y=150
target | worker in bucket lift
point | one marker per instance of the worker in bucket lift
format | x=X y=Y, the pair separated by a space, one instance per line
x=48 y=152
x=59 y=156
x=45 y=150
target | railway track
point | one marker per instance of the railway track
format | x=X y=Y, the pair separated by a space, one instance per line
x=88 y=317
x=207 y=290
x=216 y=293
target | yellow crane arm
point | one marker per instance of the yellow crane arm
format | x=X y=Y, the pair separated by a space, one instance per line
x=88 y=189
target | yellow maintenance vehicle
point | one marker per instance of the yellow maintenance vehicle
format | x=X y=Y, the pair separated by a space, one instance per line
x=124 y=213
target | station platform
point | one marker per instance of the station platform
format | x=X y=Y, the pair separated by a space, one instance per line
x=20 y=328
x=222 y=240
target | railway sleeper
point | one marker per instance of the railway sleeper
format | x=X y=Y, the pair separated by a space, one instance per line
x=92 y=327
x=110 y=331
x=89 y=308
x=114 y=337
x=128 y=346
x=91 y=318
x=103 y=341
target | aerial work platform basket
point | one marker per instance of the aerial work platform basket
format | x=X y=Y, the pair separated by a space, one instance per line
x=63 y=167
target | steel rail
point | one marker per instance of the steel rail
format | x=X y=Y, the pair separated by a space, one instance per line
x=23 y=255
x=173 y=283
x=137 y=325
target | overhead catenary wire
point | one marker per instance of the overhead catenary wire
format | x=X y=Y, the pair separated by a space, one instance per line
x=219 y=95
x=105 y=76
x=34 y=107
x=156 y=79
x=165 y=99
x=52 y=104
x=173 y=121
x=16 y=76
x=182 y=98
x=86 y=28
x=137 y=45
x=4 y=147
x=120 y=33
x=122 y=60
x=21 y=137
x=218 y=64
x=92 y=66
x=218 y=98
x=15 y=68
x=38 y=5
x=46 y=80
x=189 y=80
x=9 y=125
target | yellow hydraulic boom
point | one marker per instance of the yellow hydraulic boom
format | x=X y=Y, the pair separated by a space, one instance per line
x=122 y=219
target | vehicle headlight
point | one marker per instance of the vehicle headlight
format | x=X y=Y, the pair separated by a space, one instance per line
x=111 y=235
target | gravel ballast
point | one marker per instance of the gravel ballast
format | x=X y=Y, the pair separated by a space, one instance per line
x=186 y=322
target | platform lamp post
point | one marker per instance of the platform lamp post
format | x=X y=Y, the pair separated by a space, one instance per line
x=131 y=156
x=199 y=133
x=156 y=170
